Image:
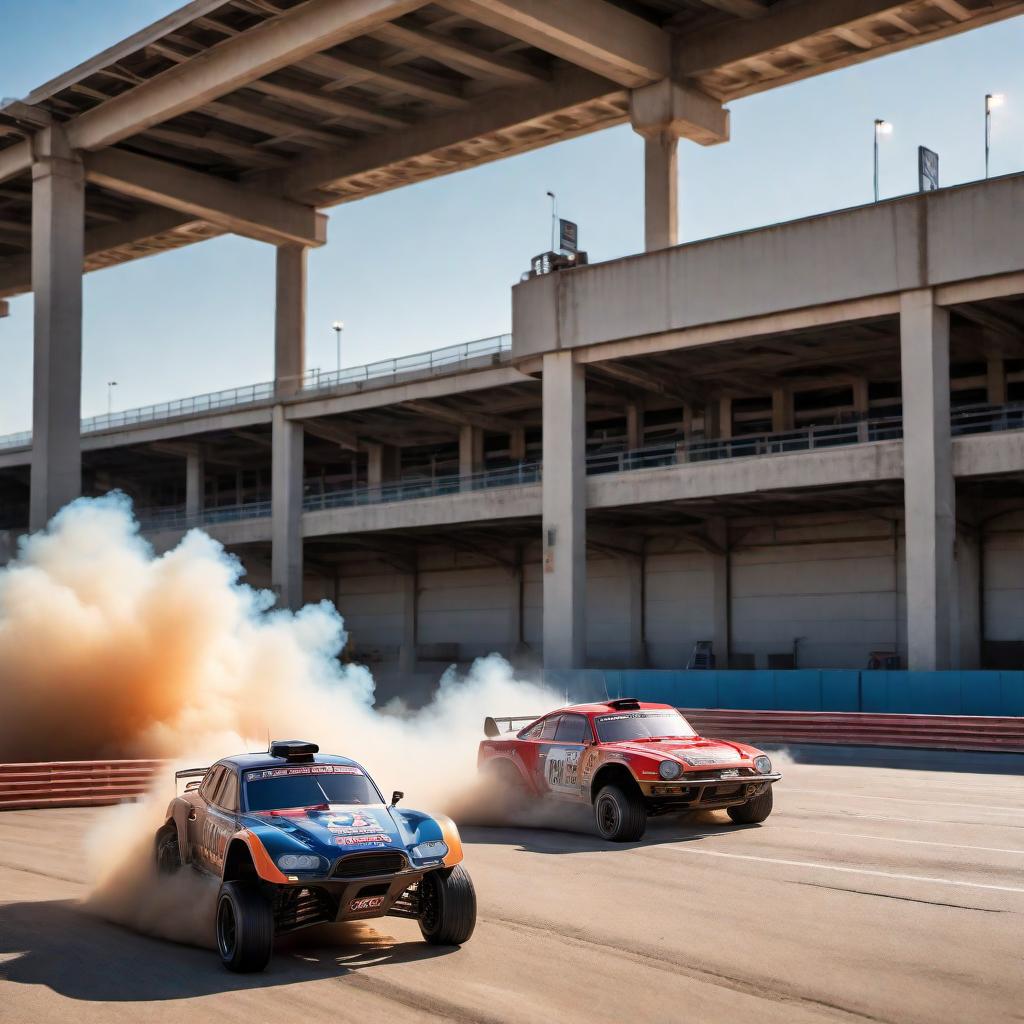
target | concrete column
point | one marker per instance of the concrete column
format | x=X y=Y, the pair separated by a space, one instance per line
x=996 y=381
x=861 y=406
x=290 y=320
x=194 y=476
x=410 y=611
x=286 y=510
x=928 y=487
x=634 y=426
x=661 y=191
x=471 y=451
x=968 y=601
x=383 y=465
x=637 y=642
x=782 y=410
x=721 y=629
x=58 y=251
x=564 y=512
x=517 y=444
x=515 y=606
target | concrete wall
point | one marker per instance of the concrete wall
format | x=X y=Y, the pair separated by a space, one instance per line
x=1004 y=579
x=920 y=241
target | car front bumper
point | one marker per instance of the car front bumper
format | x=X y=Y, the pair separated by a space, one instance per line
x=697 y=793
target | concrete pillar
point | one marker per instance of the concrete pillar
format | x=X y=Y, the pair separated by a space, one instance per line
x=515 y=606
x=967 y=636
x=721 y=628
x=861 y=406
x=58 y=251
x=286 y=510
x=383 y=465
x=661 y=191
x=928 y=487
x=290 y=320
x=517 y=444
x=662 y=113
x=996 y=381
x=564 y=512
x=635 y=595
x=410 y=611
x=634 y=426
x=782 y=410
x=194 y=478
x=471 y=451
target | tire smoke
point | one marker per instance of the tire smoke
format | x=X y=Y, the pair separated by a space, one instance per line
x=108 y=650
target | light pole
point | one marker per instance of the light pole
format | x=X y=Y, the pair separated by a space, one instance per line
x=554 y=220
x=992 y=100
x=111 y=384
x=338 y=328
x=882 y=127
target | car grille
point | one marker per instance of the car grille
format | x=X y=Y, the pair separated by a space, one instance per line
x=296 y=908
x=360 y=865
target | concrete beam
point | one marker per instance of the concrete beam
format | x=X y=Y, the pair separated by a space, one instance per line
x=58 y=239
x=309 y=29
x=593 y=34
x=232 y=207
x=678 y=110
x=504 y=110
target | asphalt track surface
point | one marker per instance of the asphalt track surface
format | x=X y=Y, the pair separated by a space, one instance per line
x=871 y=894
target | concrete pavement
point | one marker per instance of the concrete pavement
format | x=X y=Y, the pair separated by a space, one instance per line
x=872 y=893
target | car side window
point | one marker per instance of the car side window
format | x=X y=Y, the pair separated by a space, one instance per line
x=227 y=796
x=533 y=733
x=571 y=729
x=550 y=727
x=211 y=782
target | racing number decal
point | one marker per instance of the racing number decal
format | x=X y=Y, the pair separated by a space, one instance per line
x=562 y=768
x=214 y=840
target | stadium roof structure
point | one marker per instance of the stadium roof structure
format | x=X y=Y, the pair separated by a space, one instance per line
x=249 y=116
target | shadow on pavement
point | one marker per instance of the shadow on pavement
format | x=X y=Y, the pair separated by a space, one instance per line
x=57 y=945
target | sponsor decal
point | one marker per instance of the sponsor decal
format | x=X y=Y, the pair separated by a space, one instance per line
x=353 y=821
x=371 y=839
x=366 y=903
x=309 y=769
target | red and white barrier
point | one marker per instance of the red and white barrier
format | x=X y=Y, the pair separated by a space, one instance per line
x=73 y=783
x=936 y=732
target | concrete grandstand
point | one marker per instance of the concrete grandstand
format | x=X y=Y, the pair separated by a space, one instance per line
x=803 y=444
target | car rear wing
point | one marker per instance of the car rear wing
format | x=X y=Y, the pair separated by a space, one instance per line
x=492 y=726
x=196 y=774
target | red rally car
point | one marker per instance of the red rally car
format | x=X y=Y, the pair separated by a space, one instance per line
x=630 y=760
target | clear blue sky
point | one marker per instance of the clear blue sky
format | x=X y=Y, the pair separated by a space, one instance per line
x=432 y=264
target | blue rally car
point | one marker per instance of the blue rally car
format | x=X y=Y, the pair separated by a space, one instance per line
x=299 y=838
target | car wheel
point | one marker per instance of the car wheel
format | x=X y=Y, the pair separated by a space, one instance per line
x=168 y=853
x=245 y=927
x=447 y=907
x=621 y=816
x=754 y=810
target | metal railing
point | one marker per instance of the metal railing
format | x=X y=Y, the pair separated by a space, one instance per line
x=812 y=438
x=984 y=419
x=422 y=364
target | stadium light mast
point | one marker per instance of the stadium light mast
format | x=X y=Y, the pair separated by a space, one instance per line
x=992 y=100
x=882 y=127
x=111 y=384
x=554 y=220
x=338 y=327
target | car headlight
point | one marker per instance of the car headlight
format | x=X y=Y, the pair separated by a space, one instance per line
x=432 y=849
x=670 y=769
x=763 y=764
x=298 y=862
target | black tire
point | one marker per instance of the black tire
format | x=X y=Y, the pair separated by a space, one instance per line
x=754 y=811
x=168 y=852
x=621 y=815
x=244 y=927
x=447 y=907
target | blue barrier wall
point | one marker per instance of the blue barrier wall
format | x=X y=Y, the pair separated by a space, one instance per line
x=916 y=693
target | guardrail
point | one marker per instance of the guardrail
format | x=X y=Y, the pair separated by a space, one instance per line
x=73 y=783
x=421 y=364
x=984 y=419
x=934 y=732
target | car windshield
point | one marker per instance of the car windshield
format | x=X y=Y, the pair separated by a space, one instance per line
x=271 y=789
x=643 y=725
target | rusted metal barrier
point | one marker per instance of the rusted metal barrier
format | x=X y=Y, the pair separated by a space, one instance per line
x=73 y=783
x=936 y=732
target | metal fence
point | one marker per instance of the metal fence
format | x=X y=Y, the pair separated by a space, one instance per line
x=422 y=364
x=983 y=419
